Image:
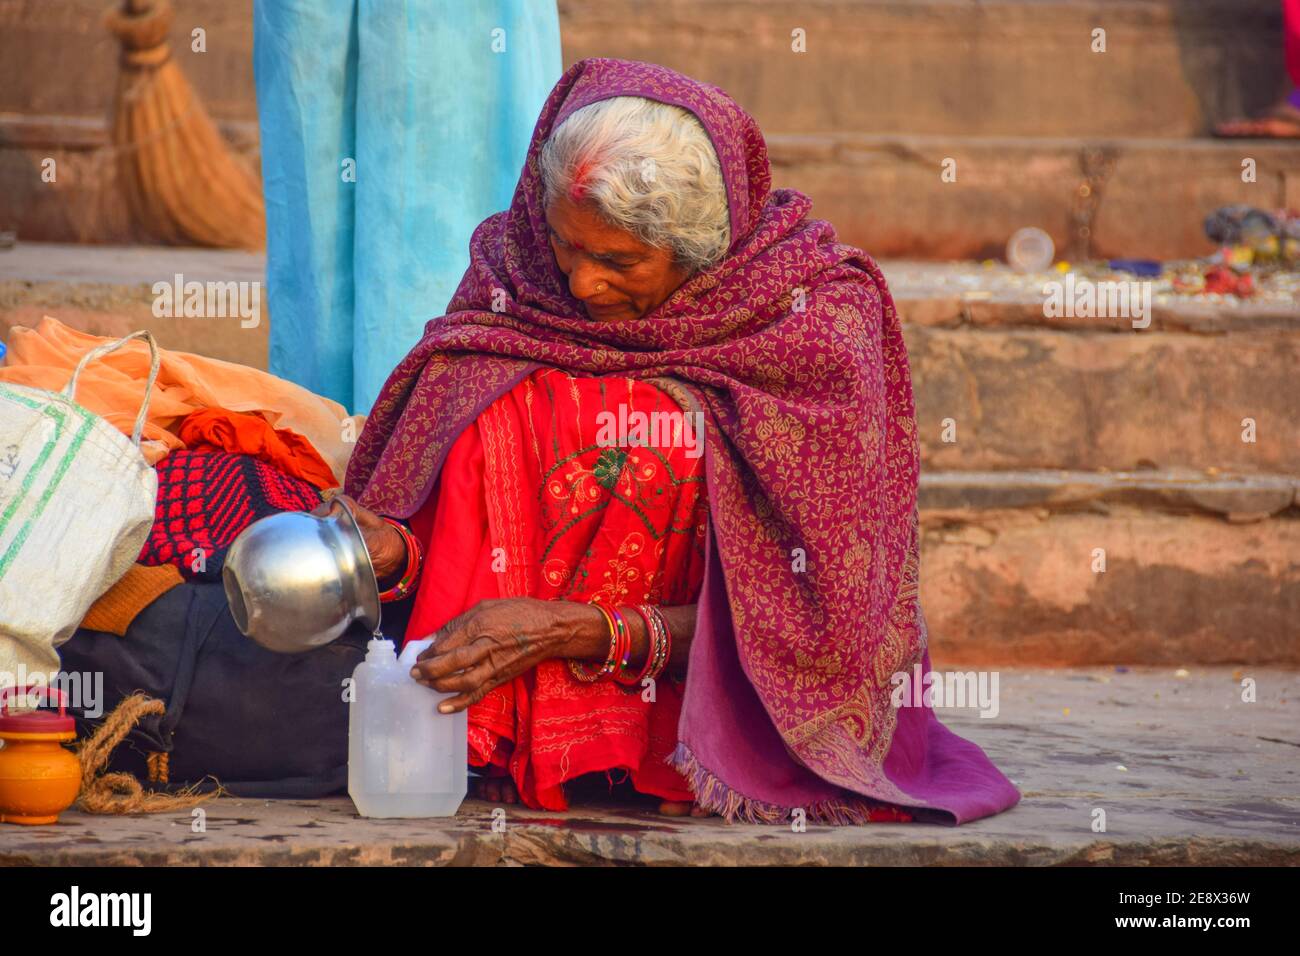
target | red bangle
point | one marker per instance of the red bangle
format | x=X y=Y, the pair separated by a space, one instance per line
x=414 y=558
x=625 y=650
x=619 y=645
x=651 y=652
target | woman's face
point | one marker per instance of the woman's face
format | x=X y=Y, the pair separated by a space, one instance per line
x=614 y=274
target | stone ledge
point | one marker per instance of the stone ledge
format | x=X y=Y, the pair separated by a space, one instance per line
x=991 y=296
x=1024 y=395
x=1024 y=586
x=1042 y=398
x=1175 y=491
x=1186 y=773
x=886 y=194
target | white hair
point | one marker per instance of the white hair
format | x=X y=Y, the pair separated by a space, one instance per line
x=649 y=168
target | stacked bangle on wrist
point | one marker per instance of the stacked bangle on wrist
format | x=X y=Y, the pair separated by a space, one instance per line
x=620 y=644
x=414 y=557
x=660 y=640
x=620 y=647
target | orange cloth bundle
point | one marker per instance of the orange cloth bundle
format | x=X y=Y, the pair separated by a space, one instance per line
x=244 y=434
x=112 y=387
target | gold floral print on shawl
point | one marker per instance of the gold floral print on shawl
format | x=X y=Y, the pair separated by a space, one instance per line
x=866 y=721
x=779 y=435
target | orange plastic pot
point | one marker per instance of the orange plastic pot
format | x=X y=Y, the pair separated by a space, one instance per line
x=39 y=777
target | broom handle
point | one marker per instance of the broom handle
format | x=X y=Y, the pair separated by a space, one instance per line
x=70 y=390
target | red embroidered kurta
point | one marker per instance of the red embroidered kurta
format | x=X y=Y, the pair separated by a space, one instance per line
x=542 y=498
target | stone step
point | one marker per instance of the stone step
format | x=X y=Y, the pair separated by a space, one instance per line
x=1061 y=568
x=887 y=91
x=990 y=296
x=1239 y=498
x=1066 y=441
x=1001 y=386
x=1186 y=773
x=998 y=388
x=884 y=193
x=1020 y=398
x=107 y=290
x=1149 y=199
x=956 y=67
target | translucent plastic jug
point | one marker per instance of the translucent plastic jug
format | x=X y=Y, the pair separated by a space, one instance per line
x=404 y=758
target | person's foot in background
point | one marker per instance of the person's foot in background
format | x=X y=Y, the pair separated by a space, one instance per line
x=1281 y=122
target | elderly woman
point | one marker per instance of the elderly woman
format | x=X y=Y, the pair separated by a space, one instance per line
x=724 y=613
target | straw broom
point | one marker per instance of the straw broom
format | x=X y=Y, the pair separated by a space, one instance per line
x=182 y=184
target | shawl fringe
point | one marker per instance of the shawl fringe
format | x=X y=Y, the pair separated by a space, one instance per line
x=714 y=795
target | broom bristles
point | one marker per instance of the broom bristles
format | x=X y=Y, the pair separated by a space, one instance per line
x=181 y=182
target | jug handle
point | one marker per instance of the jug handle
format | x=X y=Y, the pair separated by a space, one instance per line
x=5 y=692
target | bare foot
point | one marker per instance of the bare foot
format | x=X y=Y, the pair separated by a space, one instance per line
x=1282 y=122
x=502 y=790
x=496 y=789
x=681 y=808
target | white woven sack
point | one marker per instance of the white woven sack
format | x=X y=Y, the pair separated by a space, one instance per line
x=76 y=504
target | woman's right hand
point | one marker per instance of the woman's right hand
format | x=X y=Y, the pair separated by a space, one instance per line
x=383 y=541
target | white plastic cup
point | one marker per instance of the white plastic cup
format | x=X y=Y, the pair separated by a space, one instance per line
x=1030 y=250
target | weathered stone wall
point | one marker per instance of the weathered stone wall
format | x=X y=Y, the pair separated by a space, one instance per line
x=887 y=90
x=1070 y=436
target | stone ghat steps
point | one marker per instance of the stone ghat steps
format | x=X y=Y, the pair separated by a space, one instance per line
x=1069 y=437
x=1238 y=498
x=993 y=297
x=107 y=290
x=1009 y=90
x=958 y=67
x=1187 y=774
x=1148 y=197
x=1078 y=568
x=1019 y=398
x=1000 y=386
x=885 y=193
x=1086 y=494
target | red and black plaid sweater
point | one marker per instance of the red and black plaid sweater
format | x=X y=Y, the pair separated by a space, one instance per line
x=206 y=497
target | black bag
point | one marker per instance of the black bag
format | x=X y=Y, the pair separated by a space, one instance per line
x=263 y=724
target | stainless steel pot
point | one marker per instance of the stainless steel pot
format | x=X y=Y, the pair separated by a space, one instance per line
x=296 y=581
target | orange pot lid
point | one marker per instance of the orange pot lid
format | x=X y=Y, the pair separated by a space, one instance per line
x=37 y=722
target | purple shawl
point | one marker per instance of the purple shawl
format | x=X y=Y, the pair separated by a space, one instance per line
x=792 y=347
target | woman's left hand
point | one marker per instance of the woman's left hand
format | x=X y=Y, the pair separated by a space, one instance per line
x=497 y=640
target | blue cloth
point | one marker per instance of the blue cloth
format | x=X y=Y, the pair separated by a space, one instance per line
x=431 y=103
